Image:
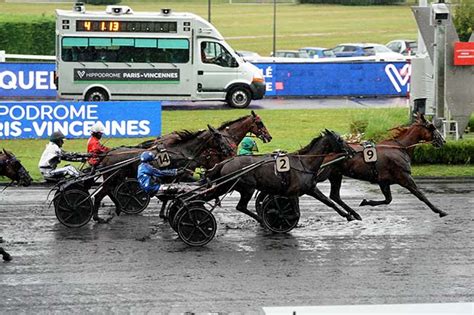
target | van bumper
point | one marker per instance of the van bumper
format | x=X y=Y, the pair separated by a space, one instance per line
x=258 y=90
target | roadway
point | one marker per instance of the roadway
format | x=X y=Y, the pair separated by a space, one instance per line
x=400 y=253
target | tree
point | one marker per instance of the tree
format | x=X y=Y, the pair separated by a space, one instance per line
x=464 y=19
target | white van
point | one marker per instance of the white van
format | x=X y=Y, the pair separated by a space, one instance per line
x=118 y=54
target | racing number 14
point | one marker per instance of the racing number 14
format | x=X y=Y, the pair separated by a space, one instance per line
x=163 y=159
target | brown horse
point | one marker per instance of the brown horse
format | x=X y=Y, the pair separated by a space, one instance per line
x=186 y=150
x=235 y=130
x=11 y=167
x=298 y=181
x=391 y=167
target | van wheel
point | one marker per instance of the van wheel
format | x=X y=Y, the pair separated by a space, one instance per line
x=96 y=95
x=239 y=97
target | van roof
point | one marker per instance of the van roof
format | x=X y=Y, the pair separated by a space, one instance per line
x=203 y=26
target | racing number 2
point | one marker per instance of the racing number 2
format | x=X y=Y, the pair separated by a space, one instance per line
x=283 y=164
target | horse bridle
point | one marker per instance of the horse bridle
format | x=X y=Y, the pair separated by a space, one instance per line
x=17 y=167
x=205 y=153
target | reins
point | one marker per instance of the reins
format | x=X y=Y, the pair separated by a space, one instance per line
x=400 y=146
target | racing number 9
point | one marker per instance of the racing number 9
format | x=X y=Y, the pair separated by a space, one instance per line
x=370 y=155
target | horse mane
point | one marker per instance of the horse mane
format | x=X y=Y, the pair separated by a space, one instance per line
x=8 y=152
x=184 y=135
x=308 y=147
x=398 y=131
x=230 y=122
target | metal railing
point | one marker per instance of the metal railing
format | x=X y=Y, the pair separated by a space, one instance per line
x=4 y=56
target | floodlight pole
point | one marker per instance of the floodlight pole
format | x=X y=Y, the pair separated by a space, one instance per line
x=274 y=27
x=209 y=11
x=439 y=63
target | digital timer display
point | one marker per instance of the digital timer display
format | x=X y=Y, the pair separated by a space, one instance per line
x=125 y=26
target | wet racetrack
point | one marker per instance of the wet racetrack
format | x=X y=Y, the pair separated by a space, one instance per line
x=401 y=253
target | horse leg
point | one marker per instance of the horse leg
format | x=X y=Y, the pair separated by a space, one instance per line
x=413 y=188
x=118 y=208
x=245 y=197
x=164 y=202
x=316 y=193
x=6 y=256
x=385 y=188
x=97 y=199
x=336 y=182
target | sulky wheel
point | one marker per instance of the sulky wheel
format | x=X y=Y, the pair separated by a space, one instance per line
x=280 y=214
x=196 y=225
x=259 y=202
x=176 y=208
x=73 y=207
x=173 y=208
x=131 y=197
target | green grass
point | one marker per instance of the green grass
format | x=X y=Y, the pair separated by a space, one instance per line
x=250 y=26
x=444 y=171
x=290 y=129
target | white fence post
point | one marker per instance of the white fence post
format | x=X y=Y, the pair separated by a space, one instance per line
x=2 y=55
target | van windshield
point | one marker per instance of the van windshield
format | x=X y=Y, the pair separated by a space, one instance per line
x=215 y=53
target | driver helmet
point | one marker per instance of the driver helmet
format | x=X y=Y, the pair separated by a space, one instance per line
x=147 y=156
x=248 y=143
x=97 y=128
x=56 y=136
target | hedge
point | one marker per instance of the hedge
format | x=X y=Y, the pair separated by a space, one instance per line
x=453 y=152
x=32 y=35
x=354 y=2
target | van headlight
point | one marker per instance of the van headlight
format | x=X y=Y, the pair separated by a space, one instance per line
x=258 y=78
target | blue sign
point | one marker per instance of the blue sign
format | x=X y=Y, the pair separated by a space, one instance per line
x=19 y=120
x=366 y=78
x=336 y=79
x=27 y=79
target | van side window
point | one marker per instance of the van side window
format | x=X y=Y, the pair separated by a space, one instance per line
x=215 y=53
x=128 y=50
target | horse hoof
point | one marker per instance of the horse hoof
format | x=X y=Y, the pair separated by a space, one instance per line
x=442 y=214
x=350 y=218
x=363 y=203
x=101 y=221
x=357 y=216
x=6 y=256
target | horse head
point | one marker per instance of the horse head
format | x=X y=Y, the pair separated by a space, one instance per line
x=338 y=144
x=12 y=168
x=428 y=131
x=258 y=129
x=217 y=147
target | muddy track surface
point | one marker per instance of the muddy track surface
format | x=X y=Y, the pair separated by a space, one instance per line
x=400 y=253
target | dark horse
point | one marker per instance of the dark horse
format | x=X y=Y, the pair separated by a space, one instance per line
x=235 y=130
x=187 y=150
x=392 y=165
x=11 y=167
x=300 y=180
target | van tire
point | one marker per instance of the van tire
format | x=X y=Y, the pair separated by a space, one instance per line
x=239 y=97
x=96 y=95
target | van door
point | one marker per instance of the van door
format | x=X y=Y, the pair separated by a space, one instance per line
x=216 y=67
